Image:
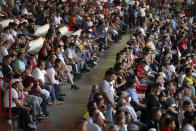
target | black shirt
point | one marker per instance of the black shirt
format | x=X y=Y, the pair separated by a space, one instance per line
x=152 y=102
x=5 y=70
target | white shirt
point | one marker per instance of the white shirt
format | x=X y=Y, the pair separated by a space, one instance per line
x=131 y=111
x=14 y=33
x=16 y=21
x=118 y=7
x=143 y=12
x=60 y=56
x=7 y=37
x=6 y=98
x=102 y=16
x=68 y=53
x=38 y=74
x=143 y=31
x=24 y=11
x=57 y=19
x=131 y=2
x=181 y=79
x=3 y=52
x=93 y=127
x=51 y=72
x=162 y=74
x=2 y=82
x=90 y=23
x=90 y=120
x=188 y=127
x=180 y=117
x=152 y=45
x=172 y=68
x=189 y=2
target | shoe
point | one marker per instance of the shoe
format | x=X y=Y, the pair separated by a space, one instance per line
x=87 y=70
x=56 y=102
x=74 y=87
x=102 y=51
x=60 y=99
x=78 y=76
x=50 y=103
x=39 y=117
x=96 y=58
x=42 y=115
x=63 y=83
x=62 y=94
x=32 y=126
x=46 y=114
x=82 y=71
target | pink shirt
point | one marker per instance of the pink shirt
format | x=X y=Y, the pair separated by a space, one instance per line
x=21 y=97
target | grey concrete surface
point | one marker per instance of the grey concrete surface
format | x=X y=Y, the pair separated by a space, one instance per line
x=62 y=117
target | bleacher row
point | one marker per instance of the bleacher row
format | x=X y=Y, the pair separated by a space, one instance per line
x=41 y=31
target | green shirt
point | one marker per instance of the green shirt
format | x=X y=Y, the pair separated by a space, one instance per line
x=19 y=66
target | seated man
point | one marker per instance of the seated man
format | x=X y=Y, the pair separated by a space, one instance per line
x=19 y=65
x=39 y=74
x=143 y=79
x=53 y=74
x=18 y=108
x=134 y=98
x=76 y=62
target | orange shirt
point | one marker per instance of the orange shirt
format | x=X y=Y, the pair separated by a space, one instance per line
x=72 y=21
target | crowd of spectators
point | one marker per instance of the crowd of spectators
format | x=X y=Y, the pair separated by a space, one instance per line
x=160 y=56
x=37 y=78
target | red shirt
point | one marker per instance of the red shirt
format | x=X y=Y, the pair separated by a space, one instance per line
x=191 y=63
x=31 y=61
x=40 y=54
x=182 y=43
x=27 y=82
x=140 y=71
x=165 y=129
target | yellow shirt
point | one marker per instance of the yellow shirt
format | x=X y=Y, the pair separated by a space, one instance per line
x=86 y=115
x=190 y=79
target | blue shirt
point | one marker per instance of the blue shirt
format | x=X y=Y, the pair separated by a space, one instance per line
x=173 y=23
x=165 y=43
x=132 y=94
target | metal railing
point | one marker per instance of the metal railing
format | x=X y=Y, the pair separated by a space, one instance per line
x=7 y=84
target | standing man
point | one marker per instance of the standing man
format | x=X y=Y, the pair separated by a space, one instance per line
x=107 y=91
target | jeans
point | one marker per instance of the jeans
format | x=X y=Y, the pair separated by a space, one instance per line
x=35 y=102
x=75 y=67
x=50 y=90
x=109 y=113
x=57 y=91
x=80 y=65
